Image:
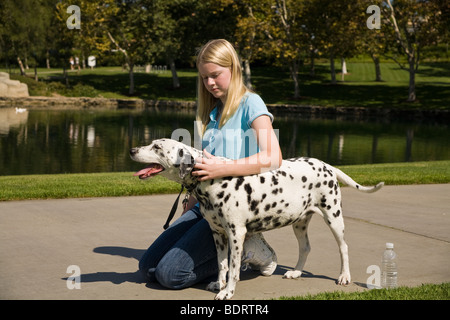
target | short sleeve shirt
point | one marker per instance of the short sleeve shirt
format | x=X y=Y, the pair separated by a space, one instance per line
x=235 y=139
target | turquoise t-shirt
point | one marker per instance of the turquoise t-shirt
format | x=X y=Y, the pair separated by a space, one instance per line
x=236 y=139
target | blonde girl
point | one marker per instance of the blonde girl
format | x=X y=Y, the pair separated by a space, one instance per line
x=234 y=123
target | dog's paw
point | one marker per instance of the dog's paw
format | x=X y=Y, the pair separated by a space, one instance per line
x=344 y=279
x=224 y=295
x=213 y=286
x=292 y=274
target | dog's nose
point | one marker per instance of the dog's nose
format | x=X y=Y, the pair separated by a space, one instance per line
x=133 y=151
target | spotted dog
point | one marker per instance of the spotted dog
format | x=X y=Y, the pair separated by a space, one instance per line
x=236 y=206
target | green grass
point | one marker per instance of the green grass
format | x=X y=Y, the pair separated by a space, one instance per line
x=274 y=85
x=59 y=186
x=426 y=172
x=125 y=184
x=423 y=292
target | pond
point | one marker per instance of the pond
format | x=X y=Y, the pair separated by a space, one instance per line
x=37 y=141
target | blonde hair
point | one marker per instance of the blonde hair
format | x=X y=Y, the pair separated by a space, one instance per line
x=222 y=53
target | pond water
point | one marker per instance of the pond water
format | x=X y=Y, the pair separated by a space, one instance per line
x=72 y=141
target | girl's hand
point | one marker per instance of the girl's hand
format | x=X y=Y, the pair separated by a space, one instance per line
x=209 y=167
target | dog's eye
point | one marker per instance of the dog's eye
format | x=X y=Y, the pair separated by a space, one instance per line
x=180 y=153
x=156 y=147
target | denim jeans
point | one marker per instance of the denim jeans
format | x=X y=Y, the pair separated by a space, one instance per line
x=182 y=255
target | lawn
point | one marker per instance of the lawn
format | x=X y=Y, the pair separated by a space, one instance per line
x=423 y=292
x=59 y=186
x=274 y=85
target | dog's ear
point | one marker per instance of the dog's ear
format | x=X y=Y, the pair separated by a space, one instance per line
x=187 y=163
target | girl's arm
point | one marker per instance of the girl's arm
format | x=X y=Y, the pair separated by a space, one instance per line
x=268 y=158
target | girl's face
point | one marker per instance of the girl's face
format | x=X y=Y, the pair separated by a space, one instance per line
x=216 y=79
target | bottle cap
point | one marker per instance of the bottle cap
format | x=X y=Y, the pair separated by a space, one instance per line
x=389 y=245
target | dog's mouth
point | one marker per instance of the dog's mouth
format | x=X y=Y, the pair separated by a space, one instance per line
x=152 y=170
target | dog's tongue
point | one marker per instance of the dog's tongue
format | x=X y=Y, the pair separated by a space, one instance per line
x=154 y=168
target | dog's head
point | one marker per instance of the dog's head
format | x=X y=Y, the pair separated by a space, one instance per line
x=168 y=157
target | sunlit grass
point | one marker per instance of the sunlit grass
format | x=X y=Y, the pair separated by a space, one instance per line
x=57 y=186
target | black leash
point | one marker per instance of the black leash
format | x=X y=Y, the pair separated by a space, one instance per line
x=174 y=209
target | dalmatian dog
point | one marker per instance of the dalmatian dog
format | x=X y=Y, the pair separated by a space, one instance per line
x=237 y=206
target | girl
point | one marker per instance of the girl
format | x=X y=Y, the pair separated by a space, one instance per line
x=235 y=124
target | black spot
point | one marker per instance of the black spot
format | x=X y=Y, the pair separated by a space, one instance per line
x=227 y=197
x=318 y=184
x=239 y=181
x=220 y=194
x=267 y=207
x=180 y=152
x=304 y=179
x=262 y=179
x=274 y=204
x=254 y=205
x=283 y=173
x=337 y=213
x=224 y=185
x=248 y=188
x=331 y=184
x=274 y=180
x=310 y=186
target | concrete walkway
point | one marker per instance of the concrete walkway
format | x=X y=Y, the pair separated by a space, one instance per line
x=105 y=237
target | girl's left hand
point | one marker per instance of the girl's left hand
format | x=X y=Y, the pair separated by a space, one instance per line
x=209 y=167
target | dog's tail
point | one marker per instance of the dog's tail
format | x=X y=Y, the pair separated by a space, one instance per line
x=342 y=177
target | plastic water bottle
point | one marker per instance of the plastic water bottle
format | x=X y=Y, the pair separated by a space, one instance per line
x=389 y=267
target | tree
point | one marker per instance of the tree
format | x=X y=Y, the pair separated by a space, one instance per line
x=414 y=25
x=249 y=33
x=23 y=31
x=337 y=26
x=286 y=36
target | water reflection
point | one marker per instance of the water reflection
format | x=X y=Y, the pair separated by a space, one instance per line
x=12 y=118
x=70 y=141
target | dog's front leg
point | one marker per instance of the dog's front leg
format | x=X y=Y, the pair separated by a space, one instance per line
x=221 y=243
x=236 y=242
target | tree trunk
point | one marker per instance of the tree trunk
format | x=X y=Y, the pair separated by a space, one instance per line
x=131 y=74
x=376 y=61
x=22 y=69
x=312 y=69
x=412 y=81
x=175 y=79
x=47 y=59
x=247 y=74
x=293 y=67
x=332 y=70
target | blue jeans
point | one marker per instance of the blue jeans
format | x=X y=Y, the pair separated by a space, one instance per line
x=182 y=255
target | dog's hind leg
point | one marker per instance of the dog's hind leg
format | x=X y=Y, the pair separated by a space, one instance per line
x=301 y=232
x=337 y=227
x=335 y=221
x=221 y=242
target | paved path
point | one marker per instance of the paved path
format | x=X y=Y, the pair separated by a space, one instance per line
x=105 y=237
